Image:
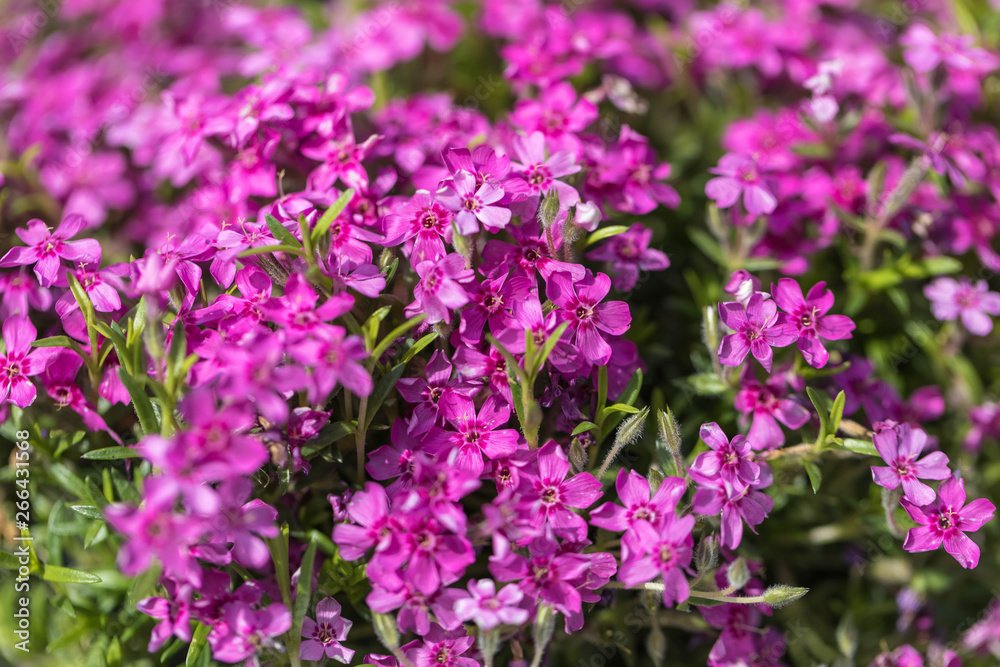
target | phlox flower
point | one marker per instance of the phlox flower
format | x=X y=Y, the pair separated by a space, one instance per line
x=973 y=303
x=810 y=319
x=900 y=447
x=45 y=248
x=325 y=634
x=757 y=329
x=947 y=521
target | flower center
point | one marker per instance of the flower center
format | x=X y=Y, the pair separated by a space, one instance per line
x=550 y=496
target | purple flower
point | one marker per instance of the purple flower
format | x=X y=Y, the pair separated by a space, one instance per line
x=45 y=248
x=369 y=509
x=249 y=630
x=440 y=288
x=947 y=522
x=325 y=634
x=173 y=612
x=925 y=50
x=474 y=435
x=900 y=447
x=541 y=173
x=19 y=362
x=737 y=506
x=808 y=317
x=740 y=175
x=423 y=224
x=972 y=302
x=551 y=495
x=488 y=608
x=245 y=523
x=768 y=405
x=471 y=201
x=633 y=490
x=661 y=551
x=440 y=648
x=430 y=395
x=629 y=253
x=590 y=320
x=757 y=329
x=726 y=462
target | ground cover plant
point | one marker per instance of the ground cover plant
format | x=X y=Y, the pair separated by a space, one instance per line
x=433 y=333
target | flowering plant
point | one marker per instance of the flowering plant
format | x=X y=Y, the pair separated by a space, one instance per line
x=320 y=345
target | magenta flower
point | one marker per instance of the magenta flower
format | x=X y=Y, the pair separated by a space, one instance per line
x=972 y=302
x=430 y=395
x=297 y=311
x=740 y=175
x=440 y=289
x=726 y=462
x=423 y=224
x=173 y=612
x=737 y=506
x=437 y=557
x=590 y=320
x=334 y=357
x=61 y=386
x=471 y=201
x=757 y=329
x=369 y=509
x=440 y=648
x=551 y=494
x=947 y=522
x=633 y=491
x=46 y=248
x=249 y=630
x=488 y=608
x=661 y=551
x=491 y=303
x=629 y=253
x=808 y=317
x=474 y=435
x=925 y=50
x=20 y=362
x=900 y=447
x=540 y=173
x=244 y=524
x=545 y=575
x=325 y=634
x=768 y=406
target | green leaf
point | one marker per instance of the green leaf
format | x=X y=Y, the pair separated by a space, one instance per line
x=417 y=347
x=67 y=575
x=708 y=245
x=70 y=481
x=815 y=476
x=584 y=426
x=279 y=554
x=140 y=402
x=546 y=350
x=706 y=384
x=941 y=265
x=198 y=642
x=89 y=511
x=606 y=233
x=821 y=401
x=860 y=446
x=281 y=233
x=621 y=407
x=111 y=454
x=395 y=334
x=53 y=341
x=302 y=599
x=267 y=249
x=331 y=214
x=837 y=412
x=381 y=391
x=328 y=435
x=371 y=326
x=9 y=561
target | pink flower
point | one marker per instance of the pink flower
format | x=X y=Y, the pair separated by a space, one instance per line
x=423 y=224
x=972 y=302
x=740 y=175
x=590 y=320
x=540 y=173
x=551 y=494
x=45 y=248
x=737 y=506
x=726 y=462
x=440 y=648
x=20 y=362
x=173 y=612
x=325 y=634
x=430 y=395
x=661 y=551
x=474 y=435
x=808 y=316
x=487 y=608
x=249 y=630
x=925 y=50
x=900 y=447
x=947 y=522
x=471 y=202
x=757 y=329
x=633 y=490
x=440 y=289
x=768 y=406
x=375 y=527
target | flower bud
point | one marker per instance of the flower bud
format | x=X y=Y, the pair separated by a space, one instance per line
x=545 y=625
x=710 y=329
x=577 y=456
x=549 y=210
x=656 y=645
x=385 y=630
x=778 y=596
x=670 y=432
x=489 y=644
x=738 y=573
x=631 y=429
x=707 y=554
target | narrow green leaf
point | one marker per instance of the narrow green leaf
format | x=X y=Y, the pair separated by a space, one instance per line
x=815 y=476
x=371 y=326
x=419 y=346
x=8 y=561
x=821 y=401
x=606 y=233
x=67 y=575
x=111 y=454
x=837 y=412
x=140 y=402
x=70 y=481
x=281 y=233
x=89 y=511
x=395 y=334
x=302 y=598
x=198 y=642
x=53 y=341
x=860 y=446
x=621 y=407
x=584 y=426
x=331 y=214
x=550 y=344
x=381 y=391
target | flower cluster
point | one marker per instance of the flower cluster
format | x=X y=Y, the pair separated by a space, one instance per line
x=339 y=366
